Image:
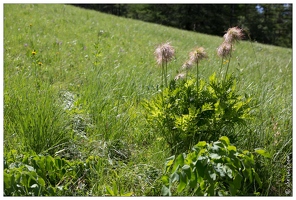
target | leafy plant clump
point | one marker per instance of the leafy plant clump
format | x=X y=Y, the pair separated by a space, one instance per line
x=212 y=169
x=190 y=109
x=29 y=174
x=187 y=116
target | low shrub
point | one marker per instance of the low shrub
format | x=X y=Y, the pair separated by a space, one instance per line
x=186 y=116
x=29 y=174
x=212 y=169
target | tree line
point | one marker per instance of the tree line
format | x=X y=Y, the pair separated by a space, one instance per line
x=264 y=23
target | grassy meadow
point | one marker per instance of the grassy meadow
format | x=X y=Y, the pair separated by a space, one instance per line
x=75 y=80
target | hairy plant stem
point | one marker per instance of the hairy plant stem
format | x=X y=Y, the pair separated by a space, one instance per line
x=226 y=70
x=163 y=86
x=162 y=76
x=221 y=66
x=162 y=71
x=166 y=72
x=164 y=67
x=197 y=78
x=227 y=65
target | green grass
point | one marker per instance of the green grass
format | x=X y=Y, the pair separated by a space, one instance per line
x=104 y=67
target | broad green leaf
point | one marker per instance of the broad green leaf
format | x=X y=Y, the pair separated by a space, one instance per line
x=234 y=161
x=220 y=169
x=186 y=169
x=39 y=163
x=165 y=191
x=169 y=161
x=30 y=168
x=231 y=148
x=201 y=144
x=210 y=175
x=262 y=152
x=213 y=175
x=202 y=184
x=37 y=190
x=32 y=179
x=174 y=177
x=257 y=178
x=246 y=152
x=51 y=190
x=24 y=179
x=249 y=161
x=168 y=165
x=248 y=174
x=179 y=161
x=183 y=182
x=50 y=163
x=165 y=180
x=201 y=167
x=16 y=177
x=190 y=158
x=25 y=159
x=201 y=153
x=232 y=189
x=7 y=180
x=225 y=140
x=217 y=147
x=211 y=190
x=228 y=171
x=58 y=162
x=237 y=181
x=41 y=181
x=193 y=179
x=214 y=156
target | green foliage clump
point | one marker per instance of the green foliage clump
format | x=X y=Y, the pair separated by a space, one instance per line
x=190 y=110
x=37 y=175
x=186 y=116
x=212 y=169
x=34 y=118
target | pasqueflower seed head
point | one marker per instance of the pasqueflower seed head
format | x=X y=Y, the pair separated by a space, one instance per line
x=187 y=65
x=233 y=35
x=224 y=50
x=164 y=53
x=197 y=54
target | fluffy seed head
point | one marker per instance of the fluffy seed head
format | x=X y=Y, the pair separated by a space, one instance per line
x=164 y=53
x=180 y=76
x=187 y=65
x=224 y=50
x=233 y=35
x=197 y=54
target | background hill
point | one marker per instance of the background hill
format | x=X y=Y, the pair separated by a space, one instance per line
x=265 y=23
